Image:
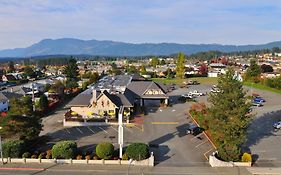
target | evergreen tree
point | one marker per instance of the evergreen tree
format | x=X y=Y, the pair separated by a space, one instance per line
x=43 y=103
x=180 y=69
x=11 y=66
x=71 y=69
x=229 y=117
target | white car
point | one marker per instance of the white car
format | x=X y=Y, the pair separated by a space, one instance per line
x=196 y=93
x=277 y=125
x=189 y=96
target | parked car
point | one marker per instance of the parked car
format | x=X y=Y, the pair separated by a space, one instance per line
x=259 y=100
x=191 y=82
x=277 y=125
x=196 y=93
x=257 y=104
x=194 y=130
x=188 y=96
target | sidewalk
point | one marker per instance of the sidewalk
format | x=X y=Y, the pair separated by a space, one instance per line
x=117 y=169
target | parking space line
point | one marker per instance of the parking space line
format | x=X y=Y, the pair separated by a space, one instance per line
x=196 y=137
x=67 y=130
x=79 y=130
x=128 y=130
x=201 y=143
x=140 y=128
x=91 y=129
x=114 y=128
x=207 y=152
x=103 y=130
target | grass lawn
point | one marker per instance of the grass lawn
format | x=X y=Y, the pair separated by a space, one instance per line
x=261 y=87
x=202 y=80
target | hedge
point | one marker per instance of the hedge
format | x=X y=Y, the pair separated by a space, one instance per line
x=64 y=150
x=137 y=151
x=13 y=148
x=104 y=150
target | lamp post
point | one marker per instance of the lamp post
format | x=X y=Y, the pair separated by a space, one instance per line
x=120 y=131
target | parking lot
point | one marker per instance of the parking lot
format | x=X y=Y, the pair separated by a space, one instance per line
x=164 y=129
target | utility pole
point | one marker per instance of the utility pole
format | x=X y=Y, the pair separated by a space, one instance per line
x=120 y=131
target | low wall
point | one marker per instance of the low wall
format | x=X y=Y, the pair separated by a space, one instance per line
x=146 y=162
x=214 y=162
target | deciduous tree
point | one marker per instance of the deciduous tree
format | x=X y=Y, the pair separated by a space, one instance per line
x=180 y=69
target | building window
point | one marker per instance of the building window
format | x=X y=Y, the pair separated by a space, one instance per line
x=108 y=103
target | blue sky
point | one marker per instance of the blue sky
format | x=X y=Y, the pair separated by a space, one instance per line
x=140 y=21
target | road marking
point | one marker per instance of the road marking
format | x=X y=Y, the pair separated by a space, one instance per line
x=79 y=130
x=103 y=130
x=196 y=137
x=207 y=152
x=67 y=130
x=140 y=128
x=129 y=130
x=114 y=128
x=164 y=123
x=91 y=129
x=201 y=143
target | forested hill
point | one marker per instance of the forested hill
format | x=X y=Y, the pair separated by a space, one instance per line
x=70 y=46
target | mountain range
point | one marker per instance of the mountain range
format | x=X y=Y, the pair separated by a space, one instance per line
x=71 y=46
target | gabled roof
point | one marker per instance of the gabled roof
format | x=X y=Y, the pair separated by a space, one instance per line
x=111 y=98
x=137 y=77
x=10 y=77
x=21 y=90
x=140 y=87
x=81 y=100
x=121 y=100
x=4 y=96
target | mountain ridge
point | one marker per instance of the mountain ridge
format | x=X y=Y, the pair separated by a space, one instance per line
x=73 y=46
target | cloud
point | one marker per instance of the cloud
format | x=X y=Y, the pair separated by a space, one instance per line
x=194 y=21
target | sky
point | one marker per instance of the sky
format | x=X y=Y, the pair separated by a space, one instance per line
x=25 y=22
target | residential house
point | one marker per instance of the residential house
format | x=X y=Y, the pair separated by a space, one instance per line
x=111 y=93
x=4 y=100
x=8 y=77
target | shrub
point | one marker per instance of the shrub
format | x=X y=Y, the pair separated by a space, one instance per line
x=79 y=157
x=13 y=148
x=88 y=157
x=34 y=156
x=246 y=157
x=49 y=154
x=137 y=151
x=42 y=155
x=125 y=157
x=26 y=155
x=64 y=150
x=104 y=150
